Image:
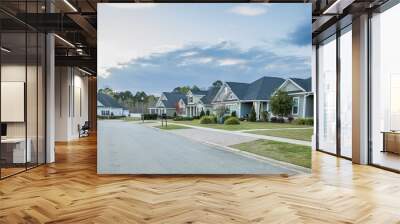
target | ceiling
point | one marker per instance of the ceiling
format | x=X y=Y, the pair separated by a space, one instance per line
x=75 y=21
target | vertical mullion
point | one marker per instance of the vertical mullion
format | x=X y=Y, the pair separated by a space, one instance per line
x=37 y=90
x=0 y=94
x=317 y=97
x=26 y=86
x=338 y=73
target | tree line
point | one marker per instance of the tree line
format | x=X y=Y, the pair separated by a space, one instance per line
x=140 y=101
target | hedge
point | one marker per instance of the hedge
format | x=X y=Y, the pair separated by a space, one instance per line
x=232 y=121
x=208 y=120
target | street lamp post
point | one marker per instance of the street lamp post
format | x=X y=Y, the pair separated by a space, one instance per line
x=142 y=99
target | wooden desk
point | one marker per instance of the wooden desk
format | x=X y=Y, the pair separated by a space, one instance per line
x=13 y=150
x=391 y=141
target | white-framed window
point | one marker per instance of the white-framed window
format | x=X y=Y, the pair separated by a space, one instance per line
x=190 y=99
x=295 y=107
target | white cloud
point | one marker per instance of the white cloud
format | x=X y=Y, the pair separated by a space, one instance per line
x=247 y=10
x=132 y=5
x=189 y=53
x=231 y=61
x=198 y=60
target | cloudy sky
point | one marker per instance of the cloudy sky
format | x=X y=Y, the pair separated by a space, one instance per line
x=156 y=47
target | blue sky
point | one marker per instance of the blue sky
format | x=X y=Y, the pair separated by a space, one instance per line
x=157 y=47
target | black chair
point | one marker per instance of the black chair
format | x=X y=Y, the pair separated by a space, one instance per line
x=84 y=130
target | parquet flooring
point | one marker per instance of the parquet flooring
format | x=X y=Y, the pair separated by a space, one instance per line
x=70 y=191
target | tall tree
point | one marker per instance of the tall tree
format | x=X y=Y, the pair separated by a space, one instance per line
x=217 y=84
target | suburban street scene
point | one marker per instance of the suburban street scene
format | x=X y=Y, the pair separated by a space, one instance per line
x=198 y=104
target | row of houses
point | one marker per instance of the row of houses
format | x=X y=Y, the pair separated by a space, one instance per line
x=239 y=97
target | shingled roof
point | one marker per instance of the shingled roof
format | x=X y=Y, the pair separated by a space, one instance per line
x=108 y=101
x=172 y=99
x=303 y=83
x=210 y=94
x=261 y=89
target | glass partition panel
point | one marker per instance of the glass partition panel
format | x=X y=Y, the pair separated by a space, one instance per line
x=14 y=154
x=346 y=93
x=385 y=89
x=327 y=95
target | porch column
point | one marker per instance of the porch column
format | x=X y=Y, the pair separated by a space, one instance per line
x=304 y=106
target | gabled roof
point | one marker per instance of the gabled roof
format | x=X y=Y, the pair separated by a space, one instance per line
x=172 y=99
x=199 y=92
x=238 y=88
x=108 y=101
x=210 y=95
x=261 y=89
x=303 y=83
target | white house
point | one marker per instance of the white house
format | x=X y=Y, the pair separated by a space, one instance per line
x=108 y=106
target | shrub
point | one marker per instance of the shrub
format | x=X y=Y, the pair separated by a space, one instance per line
x=277 y=120
x=150 y=116
x=232 y=121
x=242 y=119
x=290 y=119
x=304 y=121
x=207 y=113
x=196 y=117
x=174 y=114
x=208 y=120
x=202 y=113
x=253 y=115
x=264 y=116
x=233 y=114
x=183 y=119
x=309 y=121
x=224 y=118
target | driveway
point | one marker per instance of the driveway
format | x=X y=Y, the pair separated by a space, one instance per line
x=134 y=148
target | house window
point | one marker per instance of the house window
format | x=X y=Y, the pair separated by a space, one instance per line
x=190 y=99
x=295 y=108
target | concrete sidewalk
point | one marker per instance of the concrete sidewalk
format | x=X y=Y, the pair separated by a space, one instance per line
x=250 y=135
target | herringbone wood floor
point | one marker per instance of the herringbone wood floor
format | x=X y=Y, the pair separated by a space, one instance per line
x=70 y=191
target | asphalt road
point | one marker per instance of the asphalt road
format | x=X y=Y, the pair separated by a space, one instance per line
x=129 y=148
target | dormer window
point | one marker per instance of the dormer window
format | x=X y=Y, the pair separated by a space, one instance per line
x=190 y=99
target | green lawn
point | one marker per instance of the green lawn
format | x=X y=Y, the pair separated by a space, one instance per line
x=290 y=153
x=171 y=127
x=299 y=134
x=244 y=125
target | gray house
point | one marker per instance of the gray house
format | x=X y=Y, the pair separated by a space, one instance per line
x=168 y=103
x=303 y=97
x=241 y=97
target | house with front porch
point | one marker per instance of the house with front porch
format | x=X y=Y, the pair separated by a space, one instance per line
x=169 y=103
x=303 y=97
x=242 y=97
x=200 y=100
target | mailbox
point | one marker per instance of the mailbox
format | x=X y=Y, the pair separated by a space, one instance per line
x=164 y=116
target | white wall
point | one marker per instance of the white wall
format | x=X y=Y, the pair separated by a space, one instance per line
x=71 y=103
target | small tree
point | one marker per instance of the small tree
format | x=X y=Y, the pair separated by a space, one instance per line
x=281 y=104
x=174 y=114
x=220 y=112
x=264 y=116
x=253 y=115
x=202 y=113
x=207 y=113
